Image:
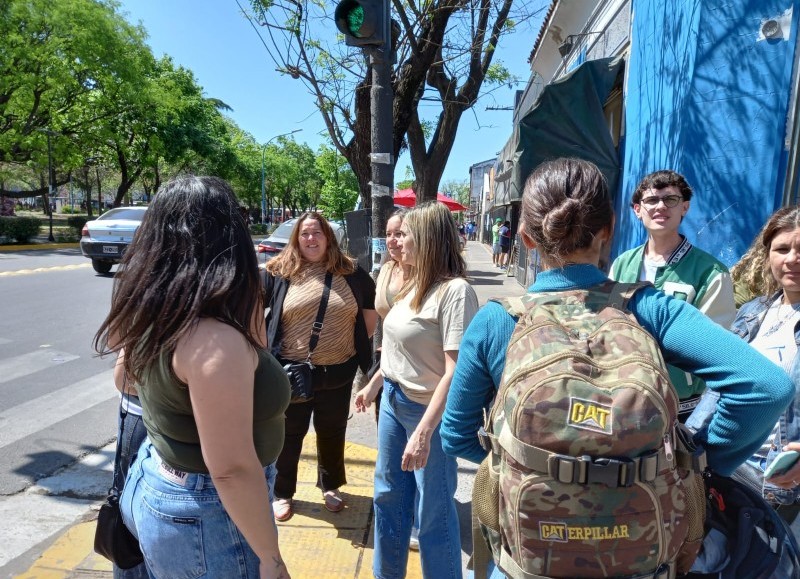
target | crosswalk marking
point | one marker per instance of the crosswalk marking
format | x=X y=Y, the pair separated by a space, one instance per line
x=19 y=366
x=25 y=419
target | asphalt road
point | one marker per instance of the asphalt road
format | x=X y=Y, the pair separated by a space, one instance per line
x=58 y=404
x=56 y=401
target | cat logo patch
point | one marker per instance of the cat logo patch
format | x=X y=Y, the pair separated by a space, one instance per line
x=590 y=415
x=553 y=532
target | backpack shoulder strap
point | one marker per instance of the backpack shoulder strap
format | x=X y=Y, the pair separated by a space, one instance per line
x=515 y=306
x=620 y=294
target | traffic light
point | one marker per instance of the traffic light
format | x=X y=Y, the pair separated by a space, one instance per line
x=363 y=22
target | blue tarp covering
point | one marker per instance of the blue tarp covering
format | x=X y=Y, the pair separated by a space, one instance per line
x=706 y=98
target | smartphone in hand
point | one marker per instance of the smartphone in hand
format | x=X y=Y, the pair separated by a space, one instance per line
x=783 y=462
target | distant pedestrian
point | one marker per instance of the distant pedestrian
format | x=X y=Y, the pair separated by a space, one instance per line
x=192 y=338
x=505 y=243
x=496 y=250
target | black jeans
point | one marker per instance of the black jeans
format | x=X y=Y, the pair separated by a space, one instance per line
x=133 y=433
x=330 y=408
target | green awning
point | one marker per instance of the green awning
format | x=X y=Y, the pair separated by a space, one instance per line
x=566 y=120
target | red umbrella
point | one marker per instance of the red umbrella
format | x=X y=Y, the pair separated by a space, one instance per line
x=407 y=198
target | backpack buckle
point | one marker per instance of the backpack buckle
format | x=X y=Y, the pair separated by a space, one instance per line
x=612 y=472
x=583 y=470
x=568 y=469
x=484 y=440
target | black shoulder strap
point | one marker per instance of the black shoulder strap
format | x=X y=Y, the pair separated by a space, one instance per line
x=316 y=329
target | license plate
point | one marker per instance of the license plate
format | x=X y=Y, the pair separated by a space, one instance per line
x=110 y=249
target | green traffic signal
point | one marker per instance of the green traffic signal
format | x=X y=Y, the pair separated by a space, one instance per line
x=355 y=20
x=361 y=21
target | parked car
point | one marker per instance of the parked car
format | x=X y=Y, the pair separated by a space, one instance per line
x=105 y=239
x=274 y=244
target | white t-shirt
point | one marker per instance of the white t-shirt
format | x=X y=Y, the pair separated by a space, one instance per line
x=414 y=342
x=775 y=337
x=775 y=340
x=649 y=269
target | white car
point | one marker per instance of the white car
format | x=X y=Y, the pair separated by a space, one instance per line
x=274 y=244
x=105 y=239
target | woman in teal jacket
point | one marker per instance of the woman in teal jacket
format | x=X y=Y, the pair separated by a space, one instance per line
x=567 y=216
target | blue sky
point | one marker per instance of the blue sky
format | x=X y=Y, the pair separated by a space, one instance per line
x=214 y=40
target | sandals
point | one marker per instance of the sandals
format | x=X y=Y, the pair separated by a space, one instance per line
x=333 y=500
x=282 y=509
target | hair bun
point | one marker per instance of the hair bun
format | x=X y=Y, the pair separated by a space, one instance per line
x=564 y=224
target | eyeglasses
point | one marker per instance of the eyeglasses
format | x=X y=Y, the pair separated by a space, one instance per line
x=669 y=200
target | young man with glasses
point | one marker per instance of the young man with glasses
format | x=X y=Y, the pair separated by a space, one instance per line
x=674 y=265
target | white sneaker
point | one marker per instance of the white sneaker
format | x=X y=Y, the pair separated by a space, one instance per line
x=413 y=544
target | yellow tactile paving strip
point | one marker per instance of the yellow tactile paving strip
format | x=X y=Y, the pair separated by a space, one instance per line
x=314 y=542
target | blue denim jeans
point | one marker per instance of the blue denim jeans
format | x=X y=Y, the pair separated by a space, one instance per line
x=439 y=536
x=183 y=528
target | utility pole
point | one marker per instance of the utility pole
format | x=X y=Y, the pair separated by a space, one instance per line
x=367 y=24
x=381 y=101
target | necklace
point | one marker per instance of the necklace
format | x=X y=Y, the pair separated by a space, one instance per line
x=781 y=320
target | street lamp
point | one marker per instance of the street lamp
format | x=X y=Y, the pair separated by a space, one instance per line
x=263 y=191
x=50 y=179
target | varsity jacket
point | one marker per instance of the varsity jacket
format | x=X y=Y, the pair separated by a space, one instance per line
x=691 y=275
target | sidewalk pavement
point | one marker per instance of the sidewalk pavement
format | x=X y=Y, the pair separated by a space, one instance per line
x=314 y=542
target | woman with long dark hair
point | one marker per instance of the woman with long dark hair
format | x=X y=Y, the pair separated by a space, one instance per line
x=187 y=321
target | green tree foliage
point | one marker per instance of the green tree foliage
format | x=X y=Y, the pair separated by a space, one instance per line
x=458 y=190
x=339 y=184
x=64 y=65
x=291 y=178
x=77 y=69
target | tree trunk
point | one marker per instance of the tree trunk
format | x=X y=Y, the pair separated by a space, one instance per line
x=99 y=192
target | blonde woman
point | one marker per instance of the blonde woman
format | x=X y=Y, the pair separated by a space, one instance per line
x=294 y=284
x=392 y=277
x=421 y=336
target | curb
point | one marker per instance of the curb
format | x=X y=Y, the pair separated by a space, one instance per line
x=35 y=246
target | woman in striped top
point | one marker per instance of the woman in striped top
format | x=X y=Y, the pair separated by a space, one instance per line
x=294 y=284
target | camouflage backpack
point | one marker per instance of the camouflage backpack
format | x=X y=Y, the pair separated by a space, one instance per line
x=590 y=473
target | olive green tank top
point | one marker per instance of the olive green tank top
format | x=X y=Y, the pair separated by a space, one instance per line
x=170 y=424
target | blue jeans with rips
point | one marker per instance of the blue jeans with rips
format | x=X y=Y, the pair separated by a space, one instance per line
x=439 y=535
x=183 y=528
